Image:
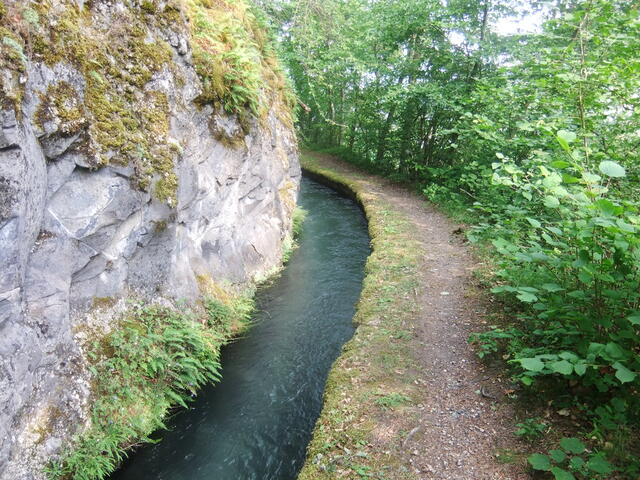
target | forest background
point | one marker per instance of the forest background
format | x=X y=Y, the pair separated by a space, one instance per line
x=531 y=139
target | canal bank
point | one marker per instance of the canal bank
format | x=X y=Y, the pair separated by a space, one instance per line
x=408 y=398
x=256 y=423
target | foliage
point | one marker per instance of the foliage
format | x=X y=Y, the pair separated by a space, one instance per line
x=235 y=60
x=299 y=216
x=156 y=359
x=570 y=460
x=392 y=400
x=291 y=241
x=531 y=428
x=532 y=138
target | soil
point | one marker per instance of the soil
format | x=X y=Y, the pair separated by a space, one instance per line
x=465 y=422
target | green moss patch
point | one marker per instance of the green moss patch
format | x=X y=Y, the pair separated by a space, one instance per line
x=61 y=103
x=372 y=384
x=126 y=123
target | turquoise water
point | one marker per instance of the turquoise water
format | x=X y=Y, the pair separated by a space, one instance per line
x=257 y=422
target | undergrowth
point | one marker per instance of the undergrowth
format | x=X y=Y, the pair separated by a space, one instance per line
x=291 y=242
x=155 y=359
x=236 y=61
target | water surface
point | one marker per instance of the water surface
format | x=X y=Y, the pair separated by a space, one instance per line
x=257 y=422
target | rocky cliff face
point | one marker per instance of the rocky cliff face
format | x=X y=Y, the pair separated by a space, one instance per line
x=125 y=171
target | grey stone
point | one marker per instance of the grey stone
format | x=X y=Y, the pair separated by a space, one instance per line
x=71 y=233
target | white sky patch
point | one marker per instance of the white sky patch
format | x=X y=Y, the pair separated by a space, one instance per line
x=529 y=23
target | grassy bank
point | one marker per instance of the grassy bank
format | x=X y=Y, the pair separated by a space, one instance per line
x=156 y=358
x=373 y=381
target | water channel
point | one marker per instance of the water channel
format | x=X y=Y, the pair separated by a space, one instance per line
x=256 y=423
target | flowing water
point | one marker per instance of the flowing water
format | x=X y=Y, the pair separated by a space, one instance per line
x=257 y=422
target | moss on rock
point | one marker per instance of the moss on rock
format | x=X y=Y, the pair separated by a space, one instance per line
x=126 y=124
x=235 y=59
x=62 y=104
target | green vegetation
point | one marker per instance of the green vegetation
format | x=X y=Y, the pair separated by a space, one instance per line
x=61 y=102
x=127 y=123
x=291 y=242
x=156 y=358
x=236 y=61
x=533 y=140
x=299 y=216
x=571 y=458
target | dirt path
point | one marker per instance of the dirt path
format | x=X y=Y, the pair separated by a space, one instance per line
x=460 y=424
x=461 y=431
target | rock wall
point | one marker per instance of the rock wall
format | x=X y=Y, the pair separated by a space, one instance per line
x=82 y=220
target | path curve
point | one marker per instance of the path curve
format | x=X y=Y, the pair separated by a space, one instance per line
x=459 y=424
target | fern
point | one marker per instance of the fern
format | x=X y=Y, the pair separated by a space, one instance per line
x=157 y=359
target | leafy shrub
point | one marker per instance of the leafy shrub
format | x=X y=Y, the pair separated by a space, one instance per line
x=531 y=428
x=571 y=459
x=571 y=265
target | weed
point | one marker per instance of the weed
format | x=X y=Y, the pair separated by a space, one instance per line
x=506 y=456
x=570 y=459
x=531 y=428
x=299 y=216
x=392 y=400
x=155 y=359
x=291 y=242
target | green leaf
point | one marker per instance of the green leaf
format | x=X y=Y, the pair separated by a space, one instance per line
x=558 y=456
x=585 y=277
x=607 y=206
x=634 y=319
x=563 y=367
x=568 y=356
x=612 y=169
x=552 y=287
x=623 y=373
x=625 y=227
x=539 y=462
x=591 y=178
x=615 y=351
x=531 y=364
x=567 y=136
x=534 y=223
x=598 y=464
x=564 y=138
x=551 y=202
x=560 y=164
x=576 y=463
x=527 y=297
x=572 y=445
x=560 y=474
x=580 y=368
x=570 y=179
